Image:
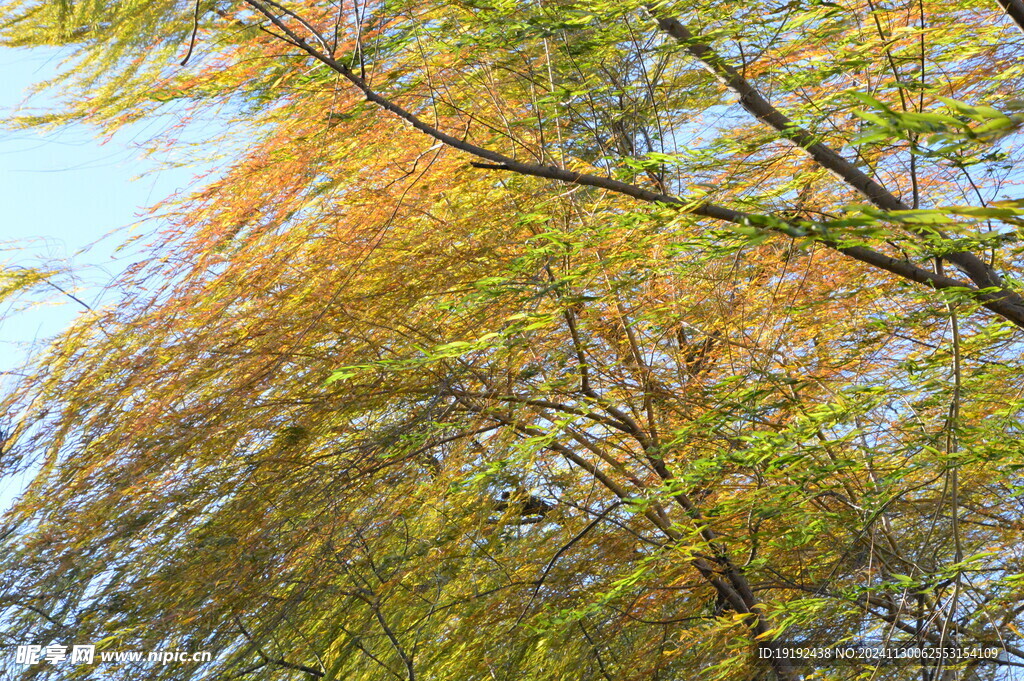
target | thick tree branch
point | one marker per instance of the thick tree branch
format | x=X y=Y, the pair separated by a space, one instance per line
x=754 y=103
x=734 y=589
x=1003 y=302
x=1015 y=10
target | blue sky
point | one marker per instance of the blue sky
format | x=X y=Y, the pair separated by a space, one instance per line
x=63 y=193
x=66 y=199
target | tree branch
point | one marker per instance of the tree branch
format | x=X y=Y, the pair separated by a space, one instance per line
x=754 y=103
x=1003 y=302
x=1015 y=10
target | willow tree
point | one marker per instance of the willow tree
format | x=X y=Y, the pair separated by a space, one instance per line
x=556 y=340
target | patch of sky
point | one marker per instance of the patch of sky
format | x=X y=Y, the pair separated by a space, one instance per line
x=70 y=203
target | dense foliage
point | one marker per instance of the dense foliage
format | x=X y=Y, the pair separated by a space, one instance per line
x=537 y=340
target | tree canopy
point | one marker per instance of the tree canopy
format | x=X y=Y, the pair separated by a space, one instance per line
x=563 y=339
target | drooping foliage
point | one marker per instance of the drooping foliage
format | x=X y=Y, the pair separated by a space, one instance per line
x=553 y=340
